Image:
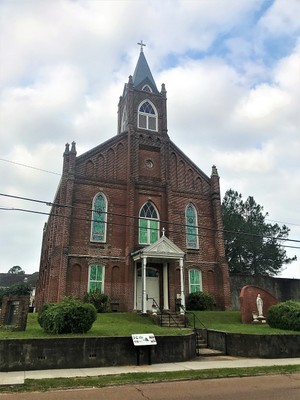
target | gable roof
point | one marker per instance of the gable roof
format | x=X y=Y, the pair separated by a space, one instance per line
x=163 y=248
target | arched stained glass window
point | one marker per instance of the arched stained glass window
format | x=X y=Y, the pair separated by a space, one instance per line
x=99 y=218
x=195 y=281
x=192 y=241
x=96 y=278
x=147 y=116
x=148 y=224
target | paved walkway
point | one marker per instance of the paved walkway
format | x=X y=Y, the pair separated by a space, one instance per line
x=18 y=377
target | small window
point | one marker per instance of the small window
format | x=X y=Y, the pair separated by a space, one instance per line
x=147 y=88
x=99 y=218
x=192 y=241
x=147 y=116
x=195 y=281
x=148 y=224
x=124 y=123
x=96 y=278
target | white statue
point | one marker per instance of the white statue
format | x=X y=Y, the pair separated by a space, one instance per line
x=259 y=303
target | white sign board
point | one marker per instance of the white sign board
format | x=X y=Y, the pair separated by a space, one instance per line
x=143 y=339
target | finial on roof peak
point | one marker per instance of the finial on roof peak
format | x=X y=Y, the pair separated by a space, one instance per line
x=214 y=171
x=142 y=45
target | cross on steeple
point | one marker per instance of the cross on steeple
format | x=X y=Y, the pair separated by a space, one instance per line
x=141 y=44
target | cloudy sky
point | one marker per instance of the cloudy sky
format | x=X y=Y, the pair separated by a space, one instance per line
x=232 y=73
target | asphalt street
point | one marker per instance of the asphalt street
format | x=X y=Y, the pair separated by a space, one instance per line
x=274 y=387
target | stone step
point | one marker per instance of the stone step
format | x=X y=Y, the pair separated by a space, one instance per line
x=173 y=321
x=207 y=352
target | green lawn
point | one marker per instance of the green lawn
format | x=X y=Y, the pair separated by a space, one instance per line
x=107 y=324
x=125 y=324
x=230 y=321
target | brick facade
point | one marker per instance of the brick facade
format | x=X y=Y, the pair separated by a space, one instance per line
x=131 y=168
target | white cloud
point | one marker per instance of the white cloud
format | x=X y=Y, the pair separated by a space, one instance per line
x=282 y=17
x=232 y=99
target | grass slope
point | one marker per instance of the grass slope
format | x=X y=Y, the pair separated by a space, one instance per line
x=125 y=324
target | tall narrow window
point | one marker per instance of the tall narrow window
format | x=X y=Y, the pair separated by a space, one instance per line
x=148 y=224
x=195 y=281
x=99 y=218
x=147 y=116
x=192 y=241
x=96 y=278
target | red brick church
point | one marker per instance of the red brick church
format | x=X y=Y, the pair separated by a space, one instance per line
x=134 y=217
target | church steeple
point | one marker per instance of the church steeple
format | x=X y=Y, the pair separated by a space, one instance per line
x=142 y=75
x=142 y=107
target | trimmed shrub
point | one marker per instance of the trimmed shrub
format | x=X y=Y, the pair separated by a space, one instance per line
x=199 y=301
x=285 y=315
x=98 y=299
x=69 y=316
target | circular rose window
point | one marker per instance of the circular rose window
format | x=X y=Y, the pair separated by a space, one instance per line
x=149 y=163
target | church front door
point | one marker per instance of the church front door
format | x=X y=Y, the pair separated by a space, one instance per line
x=152 y=288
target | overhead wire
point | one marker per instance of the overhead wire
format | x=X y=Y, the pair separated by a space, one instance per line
x=56 y=173
x=108 y=213
x=223 y=231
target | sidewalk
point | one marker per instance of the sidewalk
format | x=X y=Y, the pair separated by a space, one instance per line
x=18 y=377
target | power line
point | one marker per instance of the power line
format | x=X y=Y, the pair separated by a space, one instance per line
x=136 y=217
x=56 y=173
x=281 y=222
x=29 y=166
x=51 y=214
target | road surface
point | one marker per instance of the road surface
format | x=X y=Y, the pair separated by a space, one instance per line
x=274 y=387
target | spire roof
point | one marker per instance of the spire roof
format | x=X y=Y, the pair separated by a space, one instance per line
x=142 y=74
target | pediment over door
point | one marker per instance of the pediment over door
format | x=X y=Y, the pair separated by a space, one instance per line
x=163 y=248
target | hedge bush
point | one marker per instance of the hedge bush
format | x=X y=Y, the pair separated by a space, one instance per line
x=68 y=316
x=199 y=301
x=98 y=299
x=285 y=315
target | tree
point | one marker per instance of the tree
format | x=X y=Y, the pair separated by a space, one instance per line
x=252 y=246
x=15 y=270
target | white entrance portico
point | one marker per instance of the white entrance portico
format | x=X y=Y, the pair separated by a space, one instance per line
x=146 y=283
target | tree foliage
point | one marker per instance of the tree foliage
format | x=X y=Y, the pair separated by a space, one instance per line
x=15 y=270
x=252 y=245
x=15 y=290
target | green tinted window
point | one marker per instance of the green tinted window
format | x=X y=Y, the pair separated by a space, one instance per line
x=195 y=281
x=99 y=217
x=148 y=224
x=191 y=227
x=96 y=278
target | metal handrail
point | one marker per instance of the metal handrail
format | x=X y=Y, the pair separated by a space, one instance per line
x=161 y=312
x=194 y=317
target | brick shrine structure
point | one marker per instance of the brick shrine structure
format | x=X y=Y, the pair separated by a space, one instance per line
x=14 y=311
x=248 y=298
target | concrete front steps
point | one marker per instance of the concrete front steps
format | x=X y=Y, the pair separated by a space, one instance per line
x=201 y=346
x=175 y=320
x=172 y=320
